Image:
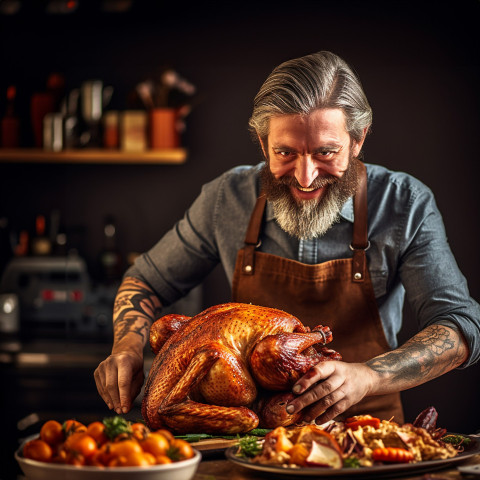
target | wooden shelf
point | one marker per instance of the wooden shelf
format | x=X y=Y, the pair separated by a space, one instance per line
x=33 y=155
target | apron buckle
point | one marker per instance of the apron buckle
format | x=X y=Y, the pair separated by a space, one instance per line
x=364 y=249
x=359 y=263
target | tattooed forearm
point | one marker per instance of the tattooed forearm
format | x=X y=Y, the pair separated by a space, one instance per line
x=135 y=309
x=134 y=294
x=429 y=354
x=131 y=324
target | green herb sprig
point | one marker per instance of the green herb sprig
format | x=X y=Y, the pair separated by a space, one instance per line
x=197 y=437
x=249 y=446
x=457 y=440
x=351 y=462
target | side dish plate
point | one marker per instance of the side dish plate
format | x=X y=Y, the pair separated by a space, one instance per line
x=376 y=471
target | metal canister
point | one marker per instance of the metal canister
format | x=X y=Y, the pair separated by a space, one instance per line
x=9 y=313
x=53 y=132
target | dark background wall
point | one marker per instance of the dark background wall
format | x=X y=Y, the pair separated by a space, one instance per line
x=418 y=62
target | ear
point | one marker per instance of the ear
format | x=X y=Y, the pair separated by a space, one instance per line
x=264 y=147
x=357 y=147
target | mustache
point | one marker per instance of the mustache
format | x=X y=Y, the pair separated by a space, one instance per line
x=318 y=182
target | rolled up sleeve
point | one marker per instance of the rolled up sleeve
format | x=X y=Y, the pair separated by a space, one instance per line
x=435 y=288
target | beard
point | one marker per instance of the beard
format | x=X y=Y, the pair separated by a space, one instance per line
x=309 y=218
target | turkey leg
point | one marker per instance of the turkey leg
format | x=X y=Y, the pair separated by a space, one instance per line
x=278 y=361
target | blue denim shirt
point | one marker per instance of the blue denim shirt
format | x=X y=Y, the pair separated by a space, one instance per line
x=409 y=254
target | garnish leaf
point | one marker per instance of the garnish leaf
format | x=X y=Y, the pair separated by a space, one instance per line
x=249 y=446
x=115 y=426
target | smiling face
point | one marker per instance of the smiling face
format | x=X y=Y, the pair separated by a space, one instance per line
x=311 y=170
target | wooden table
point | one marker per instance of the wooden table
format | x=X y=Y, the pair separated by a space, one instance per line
x=220 y=469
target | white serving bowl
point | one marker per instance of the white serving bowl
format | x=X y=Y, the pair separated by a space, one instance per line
x=34 y=470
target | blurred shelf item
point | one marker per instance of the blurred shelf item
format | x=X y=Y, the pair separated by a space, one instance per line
x=105 y=156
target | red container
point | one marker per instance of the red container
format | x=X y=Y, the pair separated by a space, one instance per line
x=163 y=128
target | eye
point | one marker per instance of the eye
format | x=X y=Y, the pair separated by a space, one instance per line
x=283 y=153
x=325 y=154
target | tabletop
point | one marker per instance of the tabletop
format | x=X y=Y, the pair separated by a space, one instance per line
x=222 y=469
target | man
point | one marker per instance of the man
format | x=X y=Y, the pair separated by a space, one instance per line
x=299 y=233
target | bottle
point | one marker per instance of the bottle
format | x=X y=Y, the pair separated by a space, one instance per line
x=110 y=259
x=10 y=133
x=21 y=249
x=41 y=244
x=46 y=102
x=56 y=88
x=111 y=129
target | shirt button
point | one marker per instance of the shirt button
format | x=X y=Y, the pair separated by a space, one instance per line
x=357 y=276
x=248 y=268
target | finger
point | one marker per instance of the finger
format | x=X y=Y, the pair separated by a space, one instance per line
x=99 y=382
x=111 y=387
x=124 y=388
x=329 y=407
x=317 y=373
x=320 y=393
x=333 y=412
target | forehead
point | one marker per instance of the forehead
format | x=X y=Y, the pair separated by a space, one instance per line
x=321 y=125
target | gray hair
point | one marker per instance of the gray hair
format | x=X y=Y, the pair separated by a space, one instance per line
x=301 y=85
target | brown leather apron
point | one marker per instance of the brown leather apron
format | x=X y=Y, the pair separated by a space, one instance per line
x=337 y=293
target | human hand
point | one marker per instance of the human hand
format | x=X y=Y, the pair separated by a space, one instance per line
x=119 y=379
x=330 y=388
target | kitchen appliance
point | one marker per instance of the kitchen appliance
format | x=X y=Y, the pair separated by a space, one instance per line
x=55 y=297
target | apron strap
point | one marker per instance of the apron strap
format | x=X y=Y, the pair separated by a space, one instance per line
x=359 y=243
x=253 y=235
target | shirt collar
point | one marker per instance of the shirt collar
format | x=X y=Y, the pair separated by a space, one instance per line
x=346 y=213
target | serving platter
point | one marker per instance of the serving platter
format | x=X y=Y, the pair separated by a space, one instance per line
x=364 y=472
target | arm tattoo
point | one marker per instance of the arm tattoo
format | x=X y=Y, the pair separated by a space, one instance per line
x=429 y=354
x=136 y=307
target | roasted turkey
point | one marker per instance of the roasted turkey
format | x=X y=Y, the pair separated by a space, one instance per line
x=221 y=370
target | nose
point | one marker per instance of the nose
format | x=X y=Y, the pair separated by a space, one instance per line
x=305 y=171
